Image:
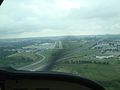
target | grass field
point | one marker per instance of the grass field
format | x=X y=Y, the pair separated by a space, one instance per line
x=77 y=56
x=104 y=74
x=23 y=58
x=107 y=75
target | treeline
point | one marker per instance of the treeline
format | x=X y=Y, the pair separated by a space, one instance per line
x=15 y=45
x=4 y=54
x=85 y=62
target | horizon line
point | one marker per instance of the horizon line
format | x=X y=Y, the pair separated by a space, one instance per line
x=57 y=36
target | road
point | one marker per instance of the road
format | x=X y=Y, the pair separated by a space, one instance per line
x=54 y=45
x=41 y=64
x=32 y=67
x=60 y=45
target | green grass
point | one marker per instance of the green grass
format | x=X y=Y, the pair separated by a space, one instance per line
x=101 y=73
x=20 y=59
x=107 y=75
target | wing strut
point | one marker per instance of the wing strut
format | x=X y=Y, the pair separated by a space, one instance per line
x=1 y=2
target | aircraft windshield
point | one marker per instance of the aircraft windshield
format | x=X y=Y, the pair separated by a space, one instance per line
x=81 y=37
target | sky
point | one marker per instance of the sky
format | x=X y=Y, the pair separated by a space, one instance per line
x=39 y=18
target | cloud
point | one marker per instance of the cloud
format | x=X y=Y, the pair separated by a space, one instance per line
x=30 y=18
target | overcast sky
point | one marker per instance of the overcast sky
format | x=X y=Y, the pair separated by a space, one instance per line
x=36 y=18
